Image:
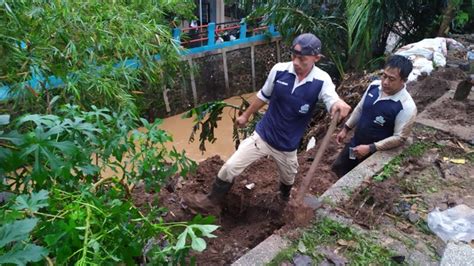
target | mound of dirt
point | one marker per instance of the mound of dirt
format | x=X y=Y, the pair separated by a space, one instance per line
x=451 y=74
x=454 y=112
x=371 y=201
x=249 y=216
x=427 y=91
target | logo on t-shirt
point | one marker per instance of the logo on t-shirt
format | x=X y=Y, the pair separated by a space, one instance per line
x=281 y=82
x=379 y=120
x=304 y=108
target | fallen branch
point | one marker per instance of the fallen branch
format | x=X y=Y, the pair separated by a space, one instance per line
x=391 y=216
x=411 y=196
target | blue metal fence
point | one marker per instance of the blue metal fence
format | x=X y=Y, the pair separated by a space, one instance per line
x=51 y=82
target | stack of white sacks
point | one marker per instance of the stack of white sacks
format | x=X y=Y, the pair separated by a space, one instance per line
x=428 y=54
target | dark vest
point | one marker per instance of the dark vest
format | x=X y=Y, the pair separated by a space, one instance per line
x=285 y=121
x=377 y=120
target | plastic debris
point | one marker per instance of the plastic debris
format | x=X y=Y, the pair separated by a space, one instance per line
x=455 y=224
x=311 y=143
x=250 y=186
x=456 y=161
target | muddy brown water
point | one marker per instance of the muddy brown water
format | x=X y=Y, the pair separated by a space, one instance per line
x=180 y=129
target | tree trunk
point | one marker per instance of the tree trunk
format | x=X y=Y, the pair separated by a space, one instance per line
x=378 y=48
x=448 y=15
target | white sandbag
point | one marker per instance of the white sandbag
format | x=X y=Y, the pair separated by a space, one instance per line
x=420 y=65
x=439 y=60
x=416 y=51
x=454 y=45
x=438 y=44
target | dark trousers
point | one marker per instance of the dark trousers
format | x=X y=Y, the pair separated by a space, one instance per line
x=343 y=164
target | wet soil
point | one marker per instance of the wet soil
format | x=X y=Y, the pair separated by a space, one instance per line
x=454 y=112
x=249 y=216
x=429 y=88
x=399 y=205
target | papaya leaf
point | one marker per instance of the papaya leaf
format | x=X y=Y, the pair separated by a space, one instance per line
x=198 y=244
x=32 y=203
x=22 y=254
x=4 y=120
x=181 y=240
x=16 y=231
x=206 y=229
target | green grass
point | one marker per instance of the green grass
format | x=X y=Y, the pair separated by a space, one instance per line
x=470 y=157
x=415 y=150
x=422 y=226
x=327 y=233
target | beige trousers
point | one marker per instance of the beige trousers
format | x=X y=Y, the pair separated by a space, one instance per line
x=252 y=149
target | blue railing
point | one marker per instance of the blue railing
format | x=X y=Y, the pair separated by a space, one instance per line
x=37 y=82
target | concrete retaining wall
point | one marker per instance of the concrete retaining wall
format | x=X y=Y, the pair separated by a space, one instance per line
x=221 y=74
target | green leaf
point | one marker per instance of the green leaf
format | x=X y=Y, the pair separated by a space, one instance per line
x=32 y=203
x=89 y=169
x=65 y=146
x=16 y=231
x=301 y=247
x=181 y=240
x=206 y=229
x=198 y=219
x=198 y=244
x=13 y=136
x=47 y=120
x=20 y=255
x=4 y=120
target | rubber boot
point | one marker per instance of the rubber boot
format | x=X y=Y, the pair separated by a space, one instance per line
x=210 y=203
x=285 y=191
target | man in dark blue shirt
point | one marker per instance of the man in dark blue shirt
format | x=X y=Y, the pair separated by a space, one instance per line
x=292 y=90
x=383 y=118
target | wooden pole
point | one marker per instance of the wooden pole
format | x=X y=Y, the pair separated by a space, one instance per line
x=165 y=98
x=193 y=82
x=226 y=73
x=278 y=51
x=252 y=59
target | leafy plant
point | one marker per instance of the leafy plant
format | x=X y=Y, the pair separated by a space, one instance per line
x=78 y=146
x=208 y=114
x=102 y=53
x=91 y=217
x=105 y=228
x=15 y=230
x=415 y=150
x=358 y=248
x=353 y=32
x=89 y=158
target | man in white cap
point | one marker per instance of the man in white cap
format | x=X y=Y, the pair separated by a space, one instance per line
x=292 y=90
